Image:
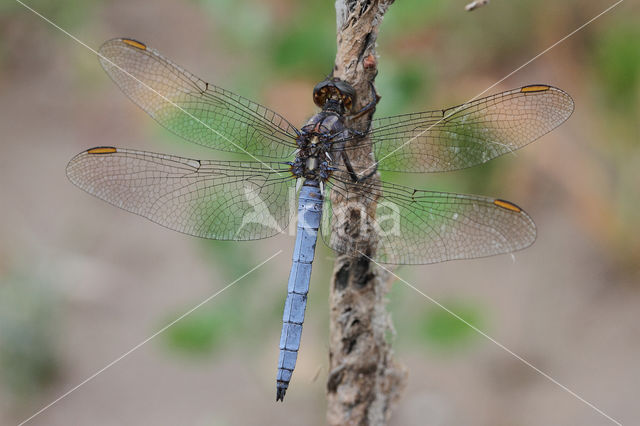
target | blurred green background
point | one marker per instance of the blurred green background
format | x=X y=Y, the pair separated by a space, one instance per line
x=82 y=282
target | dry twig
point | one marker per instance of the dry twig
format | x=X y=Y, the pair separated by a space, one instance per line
x=475 y=4
x=364 y=382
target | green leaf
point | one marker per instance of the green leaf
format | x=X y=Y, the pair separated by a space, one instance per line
x=441 y=329
x=201 y=333
x=617 y=61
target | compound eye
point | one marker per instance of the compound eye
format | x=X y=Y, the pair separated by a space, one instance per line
x=347 y=93
x=347 y=101
x=320 y=93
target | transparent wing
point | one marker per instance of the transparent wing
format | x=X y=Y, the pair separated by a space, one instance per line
x=468 y=134
x=222 y=200
x=420 y=227
x=192 y=108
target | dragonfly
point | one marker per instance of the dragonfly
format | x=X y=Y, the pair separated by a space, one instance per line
x=346 y=205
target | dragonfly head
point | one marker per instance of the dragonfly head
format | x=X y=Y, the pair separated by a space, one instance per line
x=335 y=95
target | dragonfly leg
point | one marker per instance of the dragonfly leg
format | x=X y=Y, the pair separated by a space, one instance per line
x=352 y=173
x=370 y=107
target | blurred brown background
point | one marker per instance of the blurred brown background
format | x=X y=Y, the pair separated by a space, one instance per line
x=82 y=282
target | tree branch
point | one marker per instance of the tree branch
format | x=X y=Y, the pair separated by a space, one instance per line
x=475 y=4
x=364 y=382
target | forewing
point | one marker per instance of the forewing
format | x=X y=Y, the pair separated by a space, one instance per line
x=420 y=227
x=222 y=200
x=468 y=134
x=192 y=108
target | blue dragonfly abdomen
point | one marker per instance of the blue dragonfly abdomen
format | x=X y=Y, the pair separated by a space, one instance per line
x=309 y=215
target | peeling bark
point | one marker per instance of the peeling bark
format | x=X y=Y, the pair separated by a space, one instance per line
x=364 y=381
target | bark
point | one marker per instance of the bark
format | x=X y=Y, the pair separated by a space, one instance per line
x=364 y=382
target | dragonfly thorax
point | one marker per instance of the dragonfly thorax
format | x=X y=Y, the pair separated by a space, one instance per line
x=315 y=145
x=311 y=164
x=311 y=167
